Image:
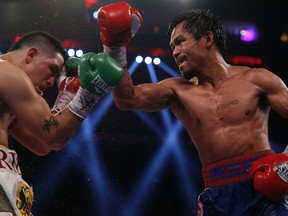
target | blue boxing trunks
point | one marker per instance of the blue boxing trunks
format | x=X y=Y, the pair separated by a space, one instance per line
x=229 y=190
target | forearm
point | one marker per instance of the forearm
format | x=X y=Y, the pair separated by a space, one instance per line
x=52 y=134
x=26 y=138
x=59 y=129
x=124 y=89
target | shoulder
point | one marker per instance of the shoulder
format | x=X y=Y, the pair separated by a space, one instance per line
x=175 y=81
x=250 y=73
x=8 y=69
x=266 y=80
x=11 y=75
x=257 y=75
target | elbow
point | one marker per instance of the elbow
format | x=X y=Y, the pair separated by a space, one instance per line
x=55 y=145
x=42 y=152
x=120 y=106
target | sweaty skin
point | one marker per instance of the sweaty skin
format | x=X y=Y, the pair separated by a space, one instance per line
x=225 y=112
x=36 y=128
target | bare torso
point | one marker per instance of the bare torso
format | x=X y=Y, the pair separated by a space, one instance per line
x=225 y=120
x=5 y=120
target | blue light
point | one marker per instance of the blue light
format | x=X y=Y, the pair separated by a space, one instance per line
x=95 y=15
x=85 y=144
x=169 y=70
x=152 y=73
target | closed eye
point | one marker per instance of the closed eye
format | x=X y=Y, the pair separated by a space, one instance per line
x=55 y=70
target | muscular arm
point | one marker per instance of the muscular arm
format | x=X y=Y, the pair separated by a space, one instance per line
x=23 y=134
x=28 y=139
x=36 y=127
x=274 y=88
x=148 y=97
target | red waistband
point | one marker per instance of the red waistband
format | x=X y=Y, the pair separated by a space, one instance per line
x=231 y=170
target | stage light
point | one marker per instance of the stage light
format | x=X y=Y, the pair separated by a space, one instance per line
x=156 y=61
x=71 y=52
x=79 y=53
x=248 y=35
x=284 y=37
x=148 y=60
x=17 y=37
x=90 y=3
x=69 y=43
x=139 y=59
x=160 y=52
x=246 y=60
x=95 y=14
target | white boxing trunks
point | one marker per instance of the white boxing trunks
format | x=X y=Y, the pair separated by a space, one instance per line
x=16 y=196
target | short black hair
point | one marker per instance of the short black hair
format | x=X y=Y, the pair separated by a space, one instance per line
x=40 y=38
x=197 y=23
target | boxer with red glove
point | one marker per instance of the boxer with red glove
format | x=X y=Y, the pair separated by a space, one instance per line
x=118 y=23
x=270 y=176
x=68 y=84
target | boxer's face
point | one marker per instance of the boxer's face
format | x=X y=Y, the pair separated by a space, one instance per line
x=185 y=51
x=43 y=69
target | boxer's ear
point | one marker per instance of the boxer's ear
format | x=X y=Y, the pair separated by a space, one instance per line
x=31 y=55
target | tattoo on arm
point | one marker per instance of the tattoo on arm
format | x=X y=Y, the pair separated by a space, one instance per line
x=50 y=121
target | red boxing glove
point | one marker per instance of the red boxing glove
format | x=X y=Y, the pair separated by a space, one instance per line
x=68 y=84
x=118 y=23
x=67 y=90
x=270 y=176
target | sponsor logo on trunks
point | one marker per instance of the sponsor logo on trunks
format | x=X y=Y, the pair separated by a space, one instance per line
x=282 y=171
x=24 y=199
x=229 y=171
x=9 y=160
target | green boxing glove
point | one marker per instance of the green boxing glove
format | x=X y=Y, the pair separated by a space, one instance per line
x=98 y=75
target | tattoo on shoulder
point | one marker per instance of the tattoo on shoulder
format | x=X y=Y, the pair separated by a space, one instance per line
x=48 y=122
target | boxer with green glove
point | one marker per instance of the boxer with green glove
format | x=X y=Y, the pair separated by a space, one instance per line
x=98 y=75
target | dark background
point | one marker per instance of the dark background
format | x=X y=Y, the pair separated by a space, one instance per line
x=132 y=163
